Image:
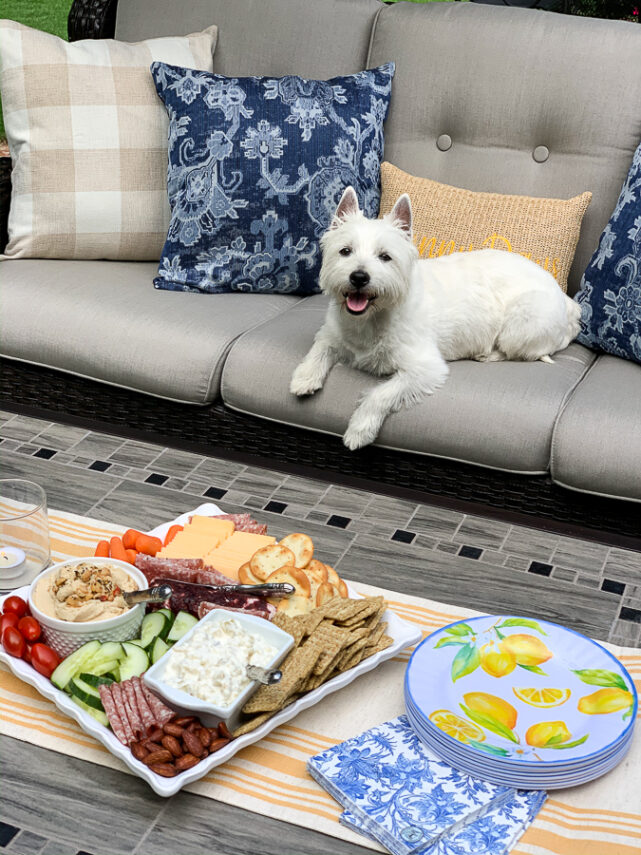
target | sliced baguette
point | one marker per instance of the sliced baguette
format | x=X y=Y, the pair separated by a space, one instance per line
x=295 y=605
x=302 y=546
x=293 y=576
x=270 y=558
x=246 y=577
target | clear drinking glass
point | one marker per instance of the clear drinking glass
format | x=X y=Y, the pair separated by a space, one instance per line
x=24 y=532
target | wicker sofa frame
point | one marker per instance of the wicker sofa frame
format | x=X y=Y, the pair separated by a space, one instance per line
x=217 y=430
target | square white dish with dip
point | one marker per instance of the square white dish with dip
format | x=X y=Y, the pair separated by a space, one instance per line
x=402 y=635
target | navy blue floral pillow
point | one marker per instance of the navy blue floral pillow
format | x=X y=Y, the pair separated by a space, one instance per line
x=257 y=166
x=610 y=295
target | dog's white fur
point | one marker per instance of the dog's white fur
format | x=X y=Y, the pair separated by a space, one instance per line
x=488 y=305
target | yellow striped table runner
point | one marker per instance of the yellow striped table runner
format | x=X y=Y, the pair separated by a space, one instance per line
x=599 y=818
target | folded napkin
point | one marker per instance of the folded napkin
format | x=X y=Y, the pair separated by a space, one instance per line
x=398 y=793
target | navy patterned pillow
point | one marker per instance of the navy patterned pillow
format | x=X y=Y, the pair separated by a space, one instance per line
x=257 y=166
x=610 y=295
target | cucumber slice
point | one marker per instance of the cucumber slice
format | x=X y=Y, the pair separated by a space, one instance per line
x=111 y=650
x=181 y=626
x=86 y=693
x=135 y=662
x=97 y=714
x=107 y=652
x=96 y=680
x=115 y=673
x=137 y=641
x=154 y=625
x=105 y=668
x=168 y=614
x=74 y=664
x=159 y=649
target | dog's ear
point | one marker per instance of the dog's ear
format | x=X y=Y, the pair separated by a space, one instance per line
x=348 y=205
x=401 y=214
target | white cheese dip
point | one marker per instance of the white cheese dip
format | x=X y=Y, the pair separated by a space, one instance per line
x=211 y=665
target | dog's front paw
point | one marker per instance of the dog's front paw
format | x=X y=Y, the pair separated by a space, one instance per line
x=359 y=433
x=304 y=382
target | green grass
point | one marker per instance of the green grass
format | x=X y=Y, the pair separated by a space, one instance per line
x=47 y=15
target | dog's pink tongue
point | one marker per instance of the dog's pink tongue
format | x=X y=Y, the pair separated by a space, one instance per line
x=357 y=302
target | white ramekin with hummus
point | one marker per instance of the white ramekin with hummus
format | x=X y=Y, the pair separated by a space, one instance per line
x=81 y=599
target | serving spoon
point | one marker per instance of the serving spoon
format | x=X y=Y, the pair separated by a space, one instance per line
x=158 y=594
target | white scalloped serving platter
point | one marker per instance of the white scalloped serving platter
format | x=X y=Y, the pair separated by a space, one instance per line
x=404 y=635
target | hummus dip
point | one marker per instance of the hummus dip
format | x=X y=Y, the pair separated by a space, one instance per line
x=84 y=592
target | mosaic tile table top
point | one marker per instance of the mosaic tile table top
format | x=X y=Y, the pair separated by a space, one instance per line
x=420 y=549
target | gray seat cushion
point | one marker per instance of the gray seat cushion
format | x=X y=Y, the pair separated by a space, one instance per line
x=104 y=320
x=499 y=415
x=597 y=441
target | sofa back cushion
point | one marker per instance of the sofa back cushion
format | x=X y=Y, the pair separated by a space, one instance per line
x=312 y=38
x=514 y=101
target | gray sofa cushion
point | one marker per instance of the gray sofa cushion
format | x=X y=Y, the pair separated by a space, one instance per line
x=104 y=320
x=597 y=441
x=317 y=39
x=499 y=415
x=501 y=84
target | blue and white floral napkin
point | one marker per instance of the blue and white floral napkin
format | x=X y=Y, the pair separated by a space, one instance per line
x=399 y=794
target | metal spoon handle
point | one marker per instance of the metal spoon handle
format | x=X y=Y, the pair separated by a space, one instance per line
x=150 y=595
x=266 y=676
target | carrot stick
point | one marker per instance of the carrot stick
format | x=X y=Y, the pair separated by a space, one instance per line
x=131 y=555
x=129 y=538
x=147 y=544
x=102 y=550
x=171 y=534
x=117 y=549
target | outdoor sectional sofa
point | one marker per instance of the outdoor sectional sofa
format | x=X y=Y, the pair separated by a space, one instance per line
x=501 y=99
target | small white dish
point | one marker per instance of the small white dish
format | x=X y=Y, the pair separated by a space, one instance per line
x=66 y=636
x=210 y=713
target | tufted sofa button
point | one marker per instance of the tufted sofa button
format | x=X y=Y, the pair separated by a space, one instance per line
x=444 y=142
x=541 y=153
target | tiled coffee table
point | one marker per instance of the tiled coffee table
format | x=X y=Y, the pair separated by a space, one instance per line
x=419 y=549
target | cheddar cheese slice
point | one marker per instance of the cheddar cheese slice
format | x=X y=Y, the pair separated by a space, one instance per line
x=236 y=551
x=217 y=529
x=193 y=544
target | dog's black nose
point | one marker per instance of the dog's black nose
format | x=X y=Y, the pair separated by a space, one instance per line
x=359 y=278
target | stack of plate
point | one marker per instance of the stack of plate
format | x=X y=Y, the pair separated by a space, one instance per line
x=520 y=702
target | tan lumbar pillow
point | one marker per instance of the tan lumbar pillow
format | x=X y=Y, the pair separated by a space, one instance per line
x=449 y=219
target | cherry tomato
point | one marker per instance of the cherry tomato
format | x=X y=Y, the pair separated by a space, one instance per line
x=29 y=628
x=8 y=620
x=44 y=659
x=13 y=642
x=27 y=653
x=16 y=605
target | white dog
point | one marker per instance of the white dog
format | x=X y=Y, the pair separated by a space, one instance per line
x=395 y=315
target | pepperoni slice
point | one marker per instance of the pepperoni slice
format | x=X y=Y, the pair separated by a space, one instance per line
x=121 y=707
x=111 y=711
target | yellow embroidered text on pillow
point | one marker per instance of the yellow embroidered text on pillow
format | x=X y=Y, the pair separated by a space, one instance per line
x=449 y=219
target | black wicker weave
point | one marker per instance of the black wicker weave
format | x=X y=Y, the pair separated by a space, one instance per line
x=218 y=431
x=5 y=198
x=92 y=19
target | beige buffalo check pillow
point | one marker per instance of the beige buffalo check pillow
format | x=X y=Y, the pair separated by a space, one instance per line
x=448 y=219
x=88 y=140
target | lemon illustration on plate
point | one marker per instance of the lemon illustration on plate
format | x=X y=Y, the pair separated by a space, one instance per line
x=547 y=733
x=456 y=726
x=605 y=701
x=490 y=705
x=496 y=659
x=526 y=649
x=543 y=698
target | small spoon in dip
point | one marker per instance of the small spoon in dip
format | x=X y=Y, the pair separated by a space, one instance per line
x=150 y=595
x=266 y=676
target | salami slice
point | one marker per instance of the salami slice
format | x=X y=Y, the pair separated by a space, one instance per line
x=160 y=710
x=244 y=522
x=111 y=711
x=135 y=719
x=121 y=707
x=211 y=576
x=186 y=597
x=267 y=613
x=183 y=569
x=146 y=713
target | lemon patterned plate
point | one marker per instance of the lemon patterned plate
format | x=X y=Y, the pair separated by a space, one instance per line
x=518 y=693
